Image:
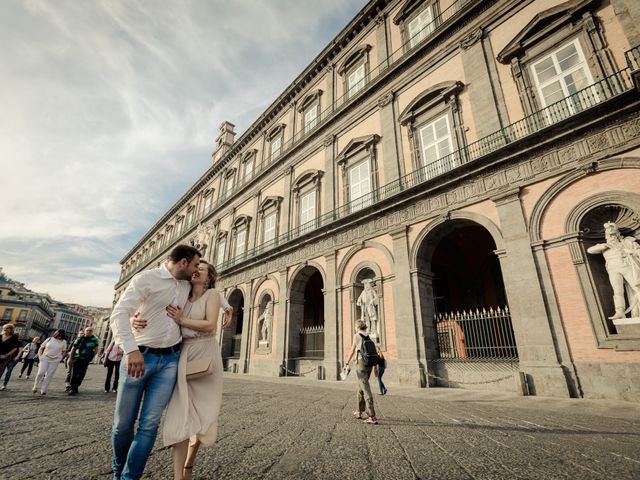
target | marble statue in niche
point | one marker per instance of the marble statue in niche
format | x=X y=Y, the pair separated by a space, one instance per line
x=622 y=261
x=368 y=303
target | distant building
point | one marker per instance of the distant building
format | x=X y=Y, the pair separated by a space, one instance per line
x=31 y=312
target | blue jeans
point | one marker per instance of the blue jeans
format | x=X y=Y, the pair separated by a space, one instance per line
x=130 y=452
x=380 y=384
x=7 y=376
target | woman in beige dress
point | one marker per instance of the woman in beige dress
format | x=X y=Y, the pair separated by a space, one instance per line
x=192 y=414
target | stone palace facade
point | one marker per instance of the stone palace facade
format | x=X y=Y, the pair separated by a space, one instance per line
x=440 y=170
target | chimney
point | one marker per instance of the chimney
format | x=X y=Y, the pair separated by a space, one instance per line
x=224 y=141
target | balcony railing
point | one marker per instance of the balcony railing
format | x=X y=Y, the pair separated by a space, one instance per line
x=581 y=101
x=476 y=335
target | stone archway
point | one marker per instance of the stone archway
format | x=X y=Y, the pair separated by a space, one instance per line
x=306 y=316
x=232 y=333
x=462 y=296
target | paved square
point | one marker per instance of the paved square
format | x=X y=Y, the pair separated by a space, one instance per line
x=298 y=428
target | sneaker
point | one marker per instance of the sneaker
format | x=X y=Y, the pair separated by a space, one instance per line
x=358 y=414
x=67 y=389
x=115 y=390
x=27 y=376
x=106 y=391
x=34 y=389
x=20 y=376
x=4 y=387
x=371 y=421
x=43 y=393
x=72 y=392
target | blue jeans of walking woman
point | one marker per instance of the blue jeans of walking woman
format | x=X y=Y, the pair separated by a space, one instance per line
x=383 y=389
x=131 y=450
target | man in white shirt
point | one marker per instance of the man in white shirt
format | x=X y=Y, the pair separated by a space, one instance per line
x=151 y=357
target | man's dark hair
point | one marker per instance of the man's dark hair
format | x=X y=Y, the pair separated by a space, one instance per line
x=184 y=251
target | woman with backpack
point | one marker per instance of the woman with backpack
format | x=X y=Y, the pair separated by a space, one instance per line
x=366 y=358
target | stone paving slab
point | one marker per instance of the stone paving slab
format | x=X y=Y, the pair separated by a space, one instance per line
x=294 y=428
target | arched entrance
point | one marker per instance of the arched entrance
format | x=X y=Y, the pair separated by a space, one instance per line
x=306 y=318
x=462 y=295
x=232 y=333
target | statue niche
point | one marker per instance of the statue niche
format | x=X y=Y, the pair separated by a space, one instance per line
x=367 y=302
x=265 y=323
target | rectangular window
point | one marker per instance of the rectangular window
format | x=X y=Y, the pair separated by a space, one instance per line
x=355 y=81
x=241 y=242
x=308 y=211
x=360 y=186
x=420 y=27
x=560 y=75
x=248 y=169
x=435 y=145
x=276 y=147
x=207 y=202
x=222 y=245
x=269 y=230
x=229 y=186
x=23 y=315
x=310 y=118
x=8 y=313
x=190 y=216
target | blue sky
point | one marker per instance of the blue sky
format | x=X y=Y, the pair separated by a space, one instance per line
x=109 y=113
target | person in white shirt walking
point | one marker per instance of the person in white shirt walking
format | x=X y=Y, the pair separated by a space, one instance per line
x=50 y=354
x=148 y=374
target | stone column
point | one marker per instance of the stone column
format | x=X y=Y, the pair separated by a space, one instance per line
x=389 y=141
x=247 y=329
x=279 y=335
x=534 y=335
x=628 y=14
x=328 y=191
x=332 y=362
x=257 y=220
x=485 y=99
x=408 y=366
x=287 y=224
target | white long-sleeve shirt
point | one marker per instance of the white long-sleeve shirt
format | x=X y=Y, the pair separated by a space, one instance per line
x=149 y=293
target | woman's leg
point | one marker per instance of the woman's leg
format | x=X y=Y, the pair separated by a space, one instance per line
x=31 y=362
x=179 y=453
x=116 y=378
x=42 y=370
x=52 y=365
x=191 y=458
x=383 y=389
x=25 y=364
x=107 y=381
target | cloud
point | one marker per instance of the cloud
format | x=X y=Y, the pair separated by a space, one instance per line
x=110 y=110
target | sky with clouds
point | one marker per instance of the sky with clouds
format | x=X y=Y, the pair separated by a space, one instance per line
x=109 y=113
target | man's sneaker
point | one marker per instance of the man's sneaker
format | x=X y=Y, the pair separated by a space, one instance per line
x=20 y=376
x=72 y=392
x=371 y=420
x=67 y=389
x=27 y=376
x=358 y=414
x=4 y=387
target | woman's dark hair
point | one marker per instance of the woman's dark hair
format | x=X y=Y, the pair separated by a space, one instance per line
x=61 y=333
x=184 y=251
x=213 y=275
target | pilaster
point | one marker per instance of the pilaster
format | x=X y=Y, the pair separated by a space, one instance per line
x=409 y=368
x=331 y=327
x=534 y=335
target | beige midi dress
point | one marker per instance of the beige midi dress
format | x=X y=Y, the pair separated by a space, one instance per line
x=195 y=404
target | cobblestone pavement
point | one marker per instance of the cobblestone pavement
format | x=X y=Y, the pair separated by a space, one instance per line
x=298 y=428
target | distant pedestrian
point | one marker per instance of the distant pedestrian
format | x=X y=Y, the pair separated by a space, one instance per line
x=361 y=347
x=80 y=356
x=13 y=361
x=9 y=346
x=378 y=371
x=112 y=358
x=29 y=354
x=68 y=362
x=50 y=354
